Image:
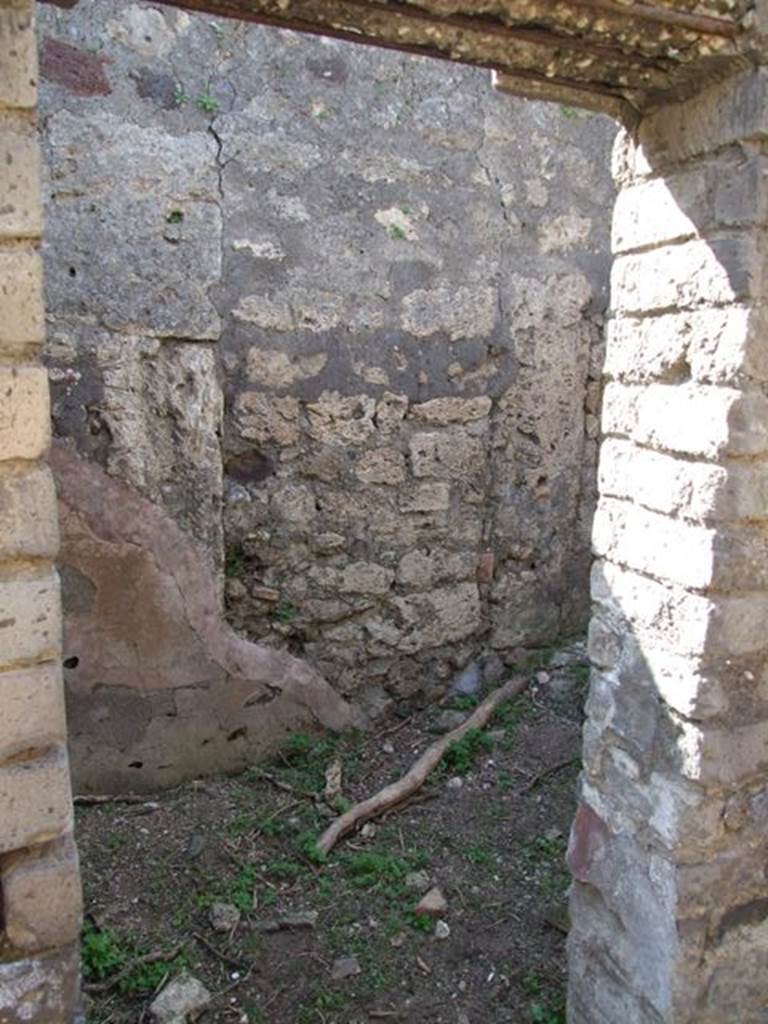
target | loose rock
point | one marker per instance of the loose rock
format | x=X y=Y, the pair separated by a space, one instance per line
x=417 y=881
x=182 y=1000
x=432 y=903
x=224 y=917
x=455 y=783
x=467 y=682
x=296 y=919
x=442 y=930
x=345 y=967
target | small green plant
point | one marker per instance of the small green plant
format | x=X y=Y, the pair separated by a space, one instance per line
x=460 y=755
x=396 y=232
x=568 y=111
x=311 y=850
x=207 y=103
x=371 y=868
x=530 y=983
x=179 y=96
x=322 y=1001
x=464 y=703
x=551 y=1012
x=241 y=889
x=146 y=977
x=478 y=855
x=285 y=870
x=421 y=922
x=101 y=952
x=174 y=217
x=285 y=612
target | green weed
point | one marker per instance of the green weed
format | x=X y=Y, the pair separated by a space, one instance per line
x=241 y=889
x=460 y=755
x=370 y=868
x=174 y=217
x=478 y=855
x=179 y=96
x=207 y=103
x=101 y=952
x=146 y=977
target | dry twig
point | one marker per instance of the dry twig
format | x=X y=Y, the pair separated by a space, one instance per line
x=395 y=794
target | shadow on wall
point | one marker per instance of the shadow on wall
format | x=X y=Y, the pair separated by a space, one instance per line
x=668 y=848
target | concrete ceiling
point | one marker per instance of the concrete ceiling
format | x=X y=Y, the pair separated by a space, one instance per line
x=619 y=56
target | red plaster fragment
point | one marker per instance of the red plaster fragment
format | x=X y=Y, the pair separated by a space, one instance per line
x=589 y=834
x=80 y=72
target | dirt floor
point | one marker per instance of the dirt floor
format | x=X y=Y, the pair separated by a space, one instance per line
x=340 y=942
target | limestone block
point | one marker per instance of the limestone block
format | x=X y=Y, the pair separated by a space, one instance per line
x=714 y=346
x=293 y=504
x=677 y=619
x=449 y=454
x=696 y=273
x=21 y=276
x=365 y=578
x=341 y=419
x=18 y=56
x=726 y=113
x=390 y=411
x=30 y=620
x=720 y=756
x=728 y=192
x=699 y=491
x=430 y=496
x=381 y=466
x=33 y=709
x=266 y=420
x=21 y=214
x=441 y=616
x=35 y=800
x=729 y=558
x=276 y=369
x=694 y=420
x=24 y=412
x=442 y=411
x=423 y=569
x=28 y=515
x=294 y=309
x=42 y=898
x=458 y=312
x=40 y=989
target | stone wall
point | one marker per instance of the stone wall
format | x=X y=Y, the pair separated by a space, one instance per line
x=39 y=884
x=337 y=313
x=668 y=850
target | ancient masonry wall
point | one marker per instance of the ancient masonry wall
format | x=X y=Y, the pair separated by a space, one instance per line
x=40 y=901
x=366 y=286
x=669 y=846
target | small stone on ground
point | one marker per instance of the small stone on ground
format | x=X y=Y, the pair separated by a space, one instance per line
x=183 y=999
x=345 y=967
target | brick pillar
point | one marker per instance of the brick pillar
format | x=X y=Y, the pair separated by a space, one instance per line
x=669 y=849
x=39 y=885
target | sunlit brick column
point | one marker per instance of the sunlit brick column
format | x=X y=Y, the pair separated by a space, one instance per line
x=669 y=849
x=39 y=884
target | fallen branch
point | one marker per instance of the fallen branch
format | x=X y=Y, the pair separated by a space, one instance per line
x=396 y=793
x=89 y=800
x=148 y=958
